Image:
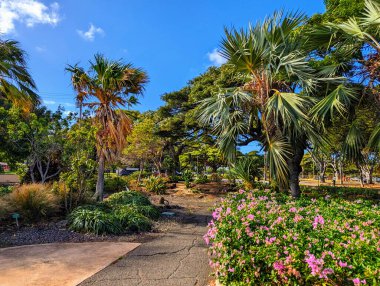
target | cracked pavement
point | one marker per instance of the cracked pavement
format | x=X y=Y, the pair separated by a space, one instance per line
x=176 y=258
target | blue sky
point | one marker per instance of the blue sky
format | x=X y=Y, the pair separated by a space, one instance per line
x=172 y=40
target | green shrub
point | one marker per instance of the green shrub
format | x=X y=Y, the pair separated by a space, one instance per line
x=187 y=177
x=5 y=190
x=148 y=211
x=263 y=238
x=175 y=178
x=94 y=220
x=127 y=198
x=131 y=219
x=120 y=212
x=343 y=192
x=155 y=184
x=33 y=201
x=115 y=184
x=201 y=179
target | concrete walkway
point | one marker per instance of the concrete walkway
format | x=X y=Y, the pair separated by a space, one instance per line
x=178 y=258
x=57 y=264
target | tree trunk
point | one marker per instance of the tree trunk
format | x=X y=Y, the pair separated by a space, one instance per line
x=100 y=182
x=322 y=172
x=295 y=169
x=341 y=172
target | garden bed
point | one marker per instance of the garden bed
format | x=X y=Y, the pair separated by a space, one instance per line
x=263 y=238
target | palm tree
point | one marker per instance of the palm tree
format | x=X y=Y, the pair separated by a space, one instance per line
x=106 y=88
x=16 y=84
x=272 y=106
x=357 y=41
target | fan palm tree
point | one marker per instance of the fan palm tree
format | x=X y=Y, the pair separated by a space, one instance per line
x=16 y=84
x=356 y=40
x=105 y=88
x=272 y=107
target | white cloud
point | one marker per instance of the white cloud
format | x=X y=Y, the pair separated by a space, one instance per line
x=28 y=12
x=69 y=104
x=49 y=102
x=90 y=34
x=41 y=49
x=215 y=58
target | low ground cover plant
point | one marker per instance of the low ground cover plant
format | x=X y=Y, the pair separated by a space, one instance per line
x=119 y=213
x=262 y=238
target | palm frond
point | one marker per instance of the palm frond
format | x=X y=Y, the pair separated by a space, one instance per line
x=338 y=100
x=374 y=140
x=288 y=110
x=353 y=143
x=278 y=149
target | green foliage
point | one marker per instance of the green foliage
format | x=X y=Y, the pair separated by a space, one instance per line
x=188 y=176
x=201 y=179
x=131 y=219
x=143 y=144
x=127 y=198
x=247 y=169
x=155 y=184
x=17 y=85
x=78 y=180
x=4 y=190
x=115 y=184
x=95 y=221
x=33 y=201
x=120 y=212
x=260 y=238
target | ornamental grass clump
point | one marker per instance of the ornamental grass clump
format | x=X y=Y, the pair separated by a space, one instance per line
x=259 y=238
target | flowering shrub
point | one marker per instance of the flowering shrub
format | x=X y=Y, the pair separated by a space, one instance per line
x=259 y=238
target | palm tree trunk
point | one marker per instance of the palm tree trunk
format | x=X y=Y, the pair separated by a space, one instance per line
x=100 y=182
x=295 y=169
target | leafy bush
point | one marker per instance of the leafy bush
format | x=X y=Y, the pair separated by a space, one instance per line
x=5 y=190
x=187 y=177
x=94 y=220
x=201 y=179
x=175 y=178
x=148 y=211
x=120 y=212
x=115 y=184
x=131 y=219
x=343 y=192
x=247 y=169
x=128 y=198
x=33 y=201
x=262 y=238
x=155 y=184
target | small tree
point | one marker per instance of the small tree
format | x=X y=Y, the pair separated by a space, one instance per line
x=105 y=88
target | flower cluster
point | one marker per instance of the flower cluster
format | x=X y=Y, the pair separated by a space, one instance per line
x=260 y=238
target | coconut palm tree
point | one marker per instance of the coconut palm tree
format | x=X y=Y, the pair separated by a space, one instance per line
x=105 y=88
x=16 y=84
x=272 y=107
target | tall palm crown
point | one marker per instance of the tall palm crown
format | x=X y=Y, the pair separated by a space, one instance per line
x=358 y=41
x=105 y=88
x=267 y=108
x=16 y=84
